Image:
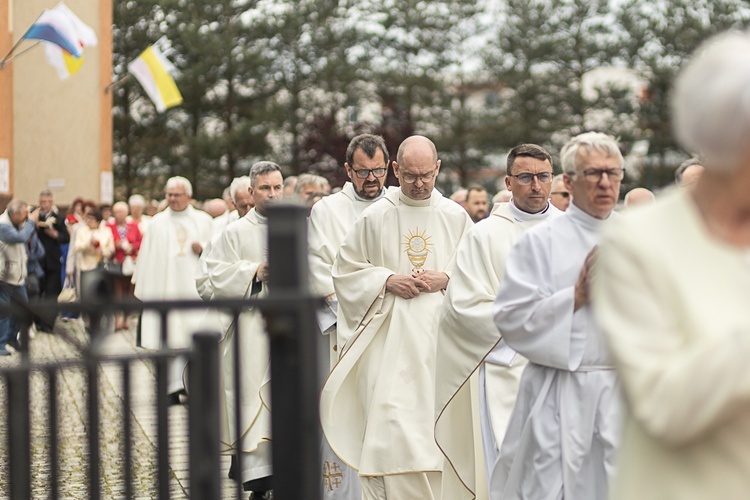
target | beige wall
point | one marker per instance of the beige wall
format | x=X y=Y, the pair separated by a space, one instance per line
x=62 y=129
x=6 y=97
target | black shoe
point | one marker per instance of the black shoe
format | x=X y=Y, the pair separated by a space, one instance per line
x=233 y=468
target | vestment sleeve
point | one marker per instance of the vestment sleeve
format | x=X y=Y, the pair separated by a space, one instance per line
x=534 y=318
x=359 y=284
x=322 y=251
x=229 y=274
x=679 y=389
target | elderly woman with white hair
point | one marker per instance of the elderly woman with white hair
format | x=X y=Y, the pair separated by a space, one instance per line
x=671 y=295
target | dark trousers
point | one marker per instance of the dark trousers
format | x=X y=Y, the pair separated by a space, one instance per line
x=50 y=286
x=9 y=326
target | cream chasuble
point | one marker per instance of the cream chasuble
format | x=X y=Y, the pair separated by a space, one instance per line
x=377 y=407
x=330 y=219
x=565 y=426
x=164 y=271
x=466 y=336
x=672 y=300
x=232 y=265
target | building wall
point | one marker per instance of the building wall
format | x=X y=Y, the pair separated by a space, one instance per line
x=6 y=105
x=62 y=130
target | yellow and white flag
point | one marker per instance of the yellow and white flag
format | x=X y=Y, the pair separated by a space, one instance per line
x=64 y=63
x=153 y=71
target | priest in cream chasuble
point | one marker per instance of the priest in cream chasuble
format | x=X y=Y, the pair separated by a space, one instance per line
x=330 y=219
x=238 y=267
x=377 y=407
x=165 y=266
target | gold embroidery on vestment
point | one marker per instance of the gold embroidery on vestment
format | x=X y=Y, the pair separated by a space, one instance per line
x=332 y=475
x=417 y=247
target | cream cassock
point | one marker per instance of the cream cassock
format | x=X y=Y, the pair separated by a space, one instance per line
x=232 y=265
x=377 y=407
x=467 y=337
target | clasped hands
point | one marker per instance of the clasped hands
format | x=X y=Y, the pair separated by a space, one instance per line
x=420 y=281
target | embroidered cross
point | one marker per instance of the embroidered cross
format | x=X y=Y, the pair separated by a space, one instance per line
x=332 y=475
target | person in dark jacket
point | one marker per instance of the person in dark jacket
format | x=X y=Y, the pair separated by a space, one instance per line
x=52 y=234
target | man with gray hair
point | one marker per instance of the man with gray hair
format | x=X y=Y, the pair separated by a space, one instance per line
x=310 y=188
x=237 y=265
x=164 y=271
x=559 y=195
x=565 y=426
x=239 y=190
x=16 y=227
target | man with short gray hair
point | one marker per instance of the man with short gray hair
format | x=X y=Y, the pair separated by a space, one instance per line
x=164 y=271
x=16 y=227
x=565 y=426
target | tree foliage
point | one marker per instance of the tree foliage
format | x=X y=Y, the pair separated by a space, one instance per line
x=294 y=80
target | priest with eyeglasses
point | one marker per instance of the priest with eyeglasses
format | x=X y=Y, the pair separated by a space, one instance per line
x=477 y=373
x=377 y=406
x=564 y=430
x=366 y=166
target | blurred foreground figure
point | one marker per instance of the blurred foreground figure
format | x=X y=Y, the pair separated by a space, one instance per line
x=681 y=341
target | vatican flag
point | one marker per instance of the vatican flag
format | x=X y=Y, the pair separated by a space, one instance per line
x=153 y=71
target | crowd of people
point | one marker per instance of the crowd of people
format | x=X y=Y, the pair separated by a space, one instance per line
x=547 y=344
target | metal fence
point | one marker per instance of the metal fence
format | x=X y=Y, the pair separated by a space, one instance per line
x=290 y=315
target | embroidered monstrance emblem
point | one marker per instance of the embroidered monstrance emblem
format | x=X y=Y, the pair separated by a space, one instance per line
x=332 y=475
x=182 y=236
x=417 y=247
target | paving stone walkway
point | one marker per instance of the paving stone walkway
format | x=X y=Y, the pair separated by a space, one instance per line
x=73 y=424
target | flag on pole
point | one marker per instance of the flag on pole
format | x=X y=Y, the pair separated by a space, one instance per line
x=64 y=63
x=153 y=71
x=61 y=27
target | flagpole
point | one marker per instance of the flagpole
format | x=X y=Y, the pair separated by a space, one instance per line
x=5 y=60
x=117 y=83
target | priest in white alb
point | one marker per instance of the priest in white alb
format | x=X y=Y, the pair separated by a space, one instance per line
x=238 y=267
x=477 y=373
x=366 y=165
x=377 y=407
x=564 y=430
x=165 y=266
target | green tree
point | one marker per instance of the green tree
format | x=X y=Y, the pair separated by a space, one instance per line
x=661 y=37
x=540 y=56
x=138 y=132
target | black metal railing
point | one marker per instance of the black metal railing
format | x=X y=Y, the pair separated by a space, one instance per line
x=290 y=314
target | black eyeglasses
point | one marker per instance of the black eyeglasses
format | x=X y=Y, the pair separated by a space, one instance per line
x=364 y=173
x=564 y=194
x=595 y=174
x=526 y=178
